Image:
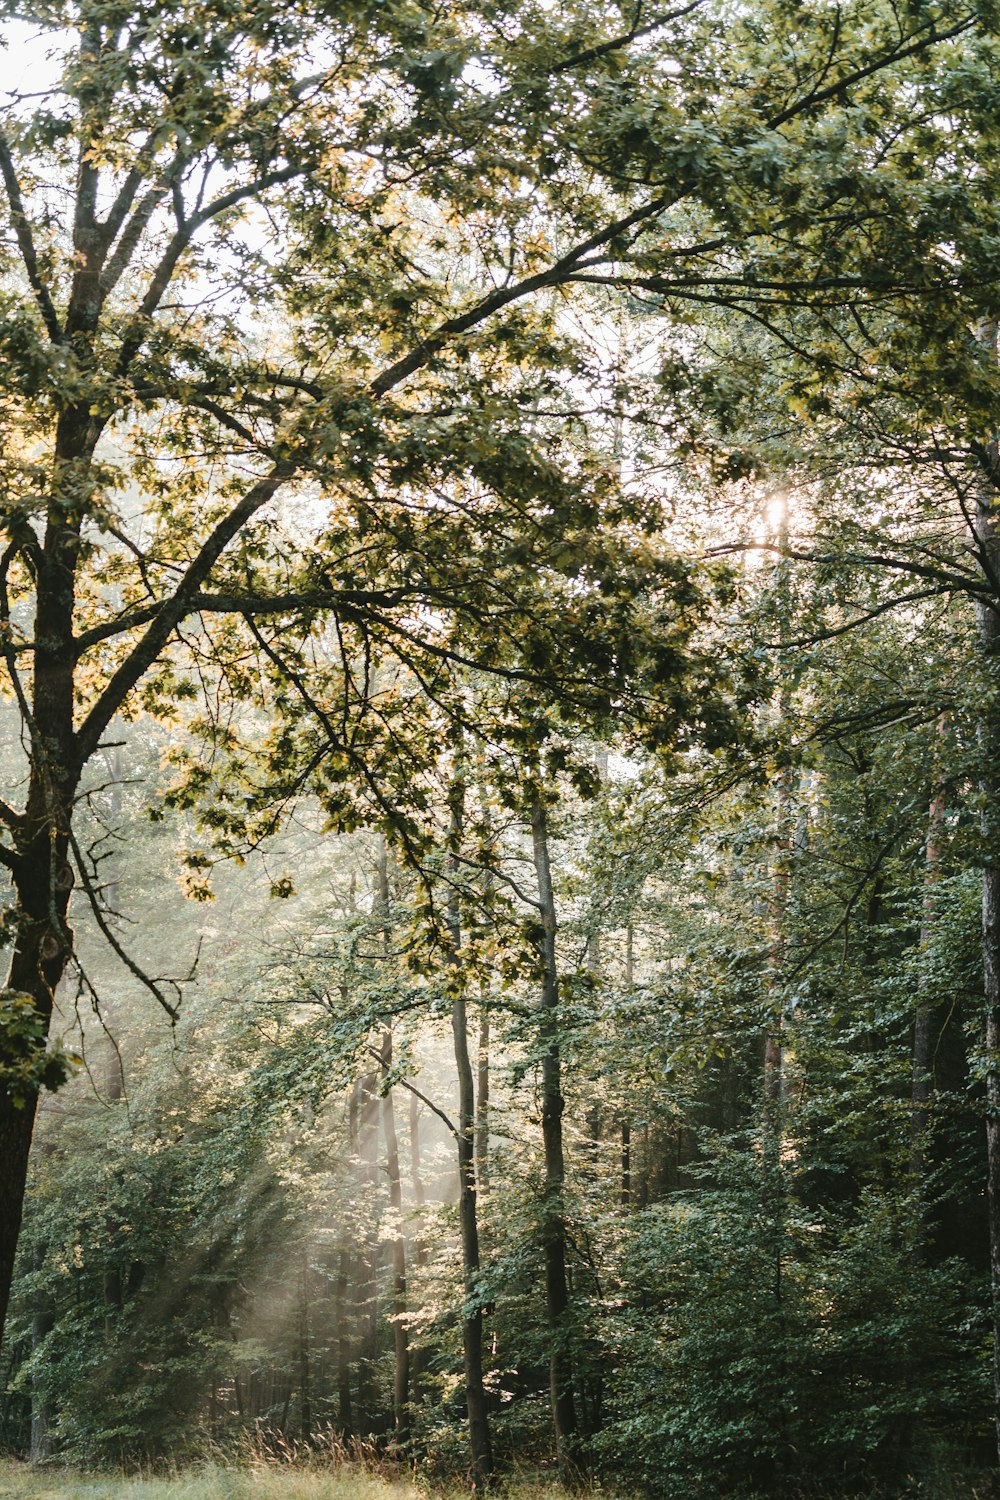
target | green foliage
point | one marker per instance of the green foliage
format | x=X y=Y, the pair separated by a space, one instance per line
x=27 y=1064
x=759 y=1346
x=385 y=396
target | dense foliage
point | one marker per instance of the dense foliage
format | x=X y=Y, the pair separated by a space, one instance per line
x=500 y=619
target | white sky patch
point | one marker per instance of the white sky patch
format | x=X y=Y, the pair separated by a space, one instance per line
x=30 y=63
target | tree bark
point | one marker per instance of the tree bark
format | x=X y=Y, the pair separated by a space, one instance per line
x=483 y=1102
x=401 y=1342
x=780 y=880
x=304 y=1353
x=988 y=621
x=924 y=1029
x=41 y=951
x=553 y=1216
x=626 y=1129
x=480 y=1442
x=40 y=872
x=342 y=1324
x=42 y=1324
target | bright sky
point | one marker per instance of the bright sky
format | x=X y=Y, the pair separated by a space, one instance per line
x=26 y=59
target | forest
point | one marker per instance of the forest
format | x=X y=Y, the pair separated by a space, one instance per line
x=500 y=744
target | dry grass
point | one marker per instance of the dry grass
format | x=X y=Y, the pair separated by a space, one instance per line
x=266 y=1482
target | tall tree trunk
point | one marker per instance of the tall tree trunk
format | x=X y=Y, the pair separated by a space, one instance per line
x=342 y=1333
x=480 y=1442
x=401 y=1342
x=472 y=1318
x=419 y=1251
x=553 y=1214
x=483 y=1102
x=42 y=1324
x=401 y=1350
x=114 y=1079
x=780 y=879
x=626 y=1181
x=41 y=873
x=780 y=871
x=626 y=1159
x=367 y=1256
x=483 y=1045
x=988 y=620
x=41 y=952
x=924 y=1028
x=304 y=1353
x=416 y=1169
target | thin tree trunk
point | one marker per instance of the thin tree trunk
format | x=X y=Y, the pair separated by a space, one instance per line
x=988 y=621
x=419 y=1248
x=401 y=1374
x=626 y=1187
x=483 y=1102
x=42 y=1324
x=780 y=876
x=483 y=1047
x=416 y=1168
x=401 y=1343
x=922 y=1084
x=553 y=1220
x=342 y=1325
x=780 y=872
x=626 y=1179
x=364 y=1114
x=112 y=1298
x=114 y=1078
x=991 y=974
x=472 y=1317
x=367 y=1263
x=304 y=1360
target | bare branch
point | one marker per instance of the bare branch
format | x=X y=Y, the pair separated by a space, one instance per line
x=946 y=578
x=405 y=1083
x=162 y=276
x=26 y=242
x=129 y=962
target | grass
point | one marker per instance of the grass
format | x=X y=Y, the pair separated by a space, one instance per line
x=18 y=1482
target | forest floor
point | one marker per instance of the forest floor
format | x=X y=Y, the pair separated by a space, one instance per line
x=18 y=1482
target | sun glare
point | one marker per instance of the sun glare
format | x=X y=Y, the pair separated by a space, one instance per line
x=777 y=512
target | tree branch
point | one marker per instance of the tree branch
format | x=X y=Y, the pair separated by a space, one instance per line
x=173 y=610
x=26 y=242
x=405 y=1083
x=162 y=276
x=601 y=49
x=929 y=38
x=558 y=272
x=129 y=962
x=964 y=583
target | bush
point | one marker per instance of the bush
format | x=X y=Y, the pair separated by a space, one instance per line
x=773 y=1349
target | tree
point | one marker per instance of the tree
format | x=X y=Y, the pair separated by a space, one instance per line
x=235 y=280
x=166 y=132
